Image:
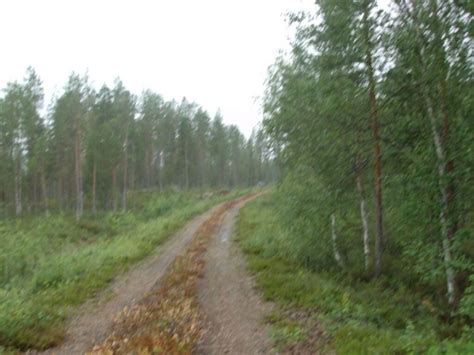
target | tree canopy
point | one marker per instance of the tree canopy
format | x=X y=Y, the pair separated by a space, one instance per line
x=370 y=117
x=92 y=146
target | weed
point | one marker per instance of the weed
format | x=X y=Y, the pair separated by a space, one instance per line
x=49 y=265
x=359 y=317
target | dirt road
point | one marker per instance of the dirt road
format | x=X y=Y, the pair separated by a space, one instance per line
x=228 y=299
x=232 y=310
x=95 y=318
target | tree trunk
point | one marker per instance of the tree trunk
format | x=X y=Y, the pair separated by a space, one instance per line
x=379 y=237
x=201 y=169
x=147 y=169
x=186 y=164
x=44 y=191
x=161 y=165
x=365 y=221
x=337 y=255
x=446 y=230
x=61 y=189
x=132 y=173
x=94 y=187
x=77 y=172
x=125 y=173
x=444 y=213
x=34 y=179
x=114 y=188
x=152 y=165
x=442 y=162
x=18 y=205
x=450 y=185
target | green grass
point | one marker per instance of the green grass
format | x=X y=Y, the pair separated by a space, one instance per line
x=359 y=317
x=49 y=265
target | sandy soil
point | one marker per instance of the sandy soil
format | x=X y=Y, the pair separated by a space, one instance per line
x=234 y=310
x=94 y=320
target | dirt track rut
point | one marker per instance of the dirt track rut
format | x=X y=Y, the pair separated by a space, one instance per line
x=227 y=297
x=233 y=311
x=95 y=318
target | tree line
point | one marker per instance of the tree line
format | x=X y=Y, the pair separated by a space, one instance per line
x=92 y=146
x=371 y=119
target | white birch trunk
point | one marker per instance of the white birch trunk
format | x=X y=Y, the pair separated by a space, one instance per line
x=441 y=161
x=337 y=255
x=443 y=215
x=365 y=222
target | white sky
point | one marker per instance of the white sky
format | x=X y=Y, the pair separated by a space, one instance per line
x=214 y=52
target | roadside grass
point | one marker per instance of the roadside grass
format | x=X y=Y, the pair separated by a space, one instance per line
x=167 y=320
x=356 y=317
x=49 y=265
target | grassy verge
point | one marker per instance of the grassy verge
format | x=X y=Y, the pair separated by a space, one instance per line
x=49 y=265
x=326 y=312
x=167 y=321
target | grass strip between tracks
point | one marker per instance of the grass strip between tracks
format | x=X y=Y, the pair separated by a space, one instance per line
x=168 y=319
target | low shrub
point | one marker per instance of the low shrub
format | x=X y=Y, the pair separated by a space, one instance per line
x=48 y=265
x=359 y=316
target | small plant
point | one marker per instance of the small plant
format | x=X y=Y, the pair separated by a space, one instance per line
x=358 y=317
x=49 y=265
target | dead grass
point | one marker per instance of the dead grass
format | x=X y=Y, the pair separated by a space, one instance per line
x=168 y=319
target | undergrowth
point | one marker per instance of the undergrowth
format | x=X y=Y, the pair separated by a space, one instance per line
x=168 y=320
x=48 y=265
x=348 y=316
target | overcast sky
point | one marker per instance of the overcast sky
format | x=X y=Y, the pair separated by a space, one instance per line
x=214 y=52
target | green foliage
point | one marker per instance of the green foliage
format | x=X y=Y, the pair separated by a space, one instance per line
x=285 y=332
x=93 y=147
x=467 y=302
x=359 y=81
x=49 y=265
x=361 y=317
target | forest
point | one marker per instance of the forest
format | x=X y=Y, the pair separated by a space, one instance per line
x=349 y=210
x=370 y=118
x=93 y=183
x=90 y=147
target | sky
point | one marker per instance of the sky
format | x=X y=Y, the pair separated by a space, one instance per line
x=213 y=52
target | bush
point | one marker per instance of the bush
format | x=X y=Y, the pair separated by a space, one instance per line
x=50 y=264
x=384 y=316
